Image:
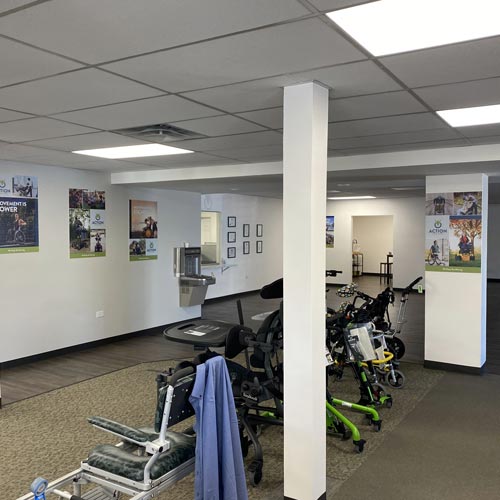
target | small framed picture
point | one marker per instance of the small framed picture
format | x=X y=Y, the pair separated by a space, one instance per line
x=259 y=246
x=260 y=230
x=231 y=252
x=231 y=221
x=246 y=247
x=246 y=230
x=231 y=237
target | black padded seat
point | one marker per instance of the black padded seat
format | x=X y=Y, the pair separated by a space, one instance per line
x=117 y=461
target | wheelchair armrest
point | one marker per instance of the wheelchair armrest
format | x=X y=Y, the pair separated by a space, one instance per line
x=127 y=433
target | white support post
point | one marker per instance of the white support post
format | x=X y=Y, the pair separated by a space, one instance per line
x=455 y=284
x=304 y=211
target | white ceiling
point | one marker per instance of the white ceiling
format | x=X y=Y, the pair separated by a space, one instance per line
x=75 y=71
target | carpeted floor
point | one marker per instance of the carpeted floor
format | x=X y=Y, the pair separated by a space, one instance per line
x=47 y=435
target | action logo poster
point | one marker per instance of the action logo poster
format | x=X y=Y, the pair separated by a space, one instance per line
x=453 y=232
x=87 y=223
x=18 y=214
x=330 y=228
x=143 y=236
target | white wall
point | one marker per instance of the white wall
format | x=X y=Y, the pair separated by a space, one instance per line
x=252 y=271
x=408 y=241
x=375 y=235
x=49 y=301
x=494 y=241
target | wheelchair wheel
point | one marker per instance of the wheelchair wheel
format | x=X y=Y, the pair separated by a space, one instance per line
x=396 y=346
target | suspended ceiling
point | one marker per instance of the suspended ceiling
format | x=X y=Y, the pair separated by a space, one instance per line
x=74 y=71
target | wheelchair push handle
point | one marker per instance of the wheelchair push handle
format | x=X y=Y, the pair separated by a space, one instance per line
x=412 y=284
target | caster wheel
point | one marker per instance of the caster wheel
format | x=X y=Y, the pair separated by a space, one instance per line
x=398 y=381
x=388 y=402
x=347 y=435
x=255 y=472
x=377 y=425
x=359 y=446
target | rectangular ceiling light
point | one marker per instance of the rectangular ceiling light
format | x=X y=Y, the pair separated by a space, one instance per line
x=351 y=197
x=393 y=26
x=139 y=151
x=466 y=117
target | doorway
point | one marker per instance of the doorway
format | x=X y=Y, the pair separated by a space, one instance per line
x=373 y=245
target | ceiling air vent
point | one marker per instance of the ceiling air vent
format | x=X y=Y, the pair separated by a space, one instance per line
x=164 y=132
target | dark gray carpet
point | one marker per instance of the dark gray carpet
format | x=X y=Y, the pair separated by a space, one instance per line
x=448 y=447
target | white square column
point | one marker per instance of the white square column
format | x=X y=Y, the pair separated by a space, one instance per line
x=304 y=210
x=455 y=281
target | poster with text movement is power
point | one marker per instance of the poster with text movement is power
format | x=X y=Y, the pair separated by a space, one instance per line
x=143 y=230
x=18 y=214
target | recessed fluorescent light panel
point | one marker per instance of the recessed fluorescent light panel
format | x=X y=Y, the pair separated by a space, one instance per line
x=394 y=26
x=351 y=197
x=466 y=117
x=139 y=151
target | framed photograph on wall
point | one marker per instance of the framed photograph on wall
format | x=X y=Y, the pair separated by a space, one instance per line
x=231 y=221
x=246 y=230
x=246 y=247
x=231 y=237
x=260 y=230
x=231 y=252
x=259 y=246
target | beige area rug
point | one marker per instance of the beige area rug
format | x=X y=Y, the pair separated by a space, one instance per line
x=48 y=435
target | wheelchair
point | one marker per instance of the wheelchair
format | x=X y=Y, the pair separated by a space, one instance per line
x=145 y=462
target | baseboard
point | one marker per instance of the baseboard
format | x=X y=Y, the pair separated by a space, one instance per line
x=448 y=367
x=87 y=345
x=322 y=497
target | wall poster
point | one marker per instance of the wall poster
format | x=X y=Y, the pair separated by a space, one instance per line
x=453 y=230
x=87 y=223
x=330 y=226
x=18 y=214
x=143 y=236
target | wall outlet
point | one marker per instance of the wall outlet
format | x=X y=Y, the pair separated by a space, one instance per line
x=99 y=314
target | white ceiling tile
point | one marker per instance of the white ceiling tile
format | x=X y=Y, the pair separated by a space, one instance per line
x=257 y=94
x=272 y=118
x=396 y=138
x=38 y=128
x=102 y=30
x=254 y=139
x=189 y=160
x=86 y=141
x=265 y=52
x=405 y=147
x=363 y=77
x=385 y=125
x=219 y=125
x=12 y=4
x=480 y=130
x=328 y=5
x=494 y=139
x=252 y=154
x=392 y=103
x=6 y=115
x=448 y=64
x=165 y=109
x=462 y=95
x=79 y=89
x=21 y=63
